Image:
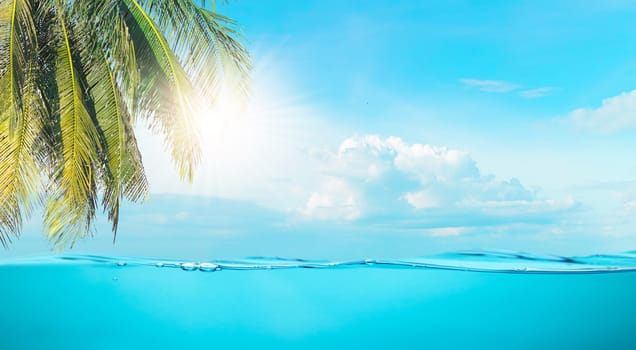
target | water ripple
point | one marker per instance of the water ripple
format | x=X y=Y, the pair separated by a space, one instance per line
x=478 y=261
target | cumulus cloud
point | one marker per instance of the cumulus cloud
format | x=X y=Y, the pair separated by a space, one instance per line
x=336 y=199
x=369 y=176
x=497 y=86
x=615 y=114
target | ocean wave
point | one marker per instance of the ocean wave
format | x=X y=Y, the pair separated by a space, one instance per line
x=475 y=260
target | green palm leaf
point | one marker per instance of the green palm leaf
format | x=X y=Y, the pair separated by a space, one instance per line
x=19 y=171
x=72 y=202
x=177 y=96
x=77 y=76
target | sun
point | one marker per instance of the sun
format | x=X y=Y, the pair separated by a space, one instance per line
x=239 y=129
x=247 y=140
x=251 y=145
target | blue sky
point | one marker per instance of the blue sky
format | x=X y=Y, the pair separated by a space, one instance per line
x=373 y=67
x=402 y=128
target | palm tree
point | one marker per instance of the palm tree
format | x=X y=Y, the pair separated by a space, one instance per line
x=76 y=76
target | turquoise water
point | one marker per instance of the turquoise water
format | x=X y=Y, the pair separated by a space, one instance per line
x=469 y=300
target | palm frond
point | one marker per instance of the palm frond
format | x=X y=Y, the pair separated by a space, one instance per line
x=77 y=76
x=120 y=168
x=20 y=178
x=72 y=201
x=19 y=117
x=113 y=35
x=17 y=40
x=123 y=175
x=170 y=102
x=204 y=43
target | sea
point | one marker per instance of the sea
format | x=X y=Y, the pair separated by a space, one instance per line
x=460 y=300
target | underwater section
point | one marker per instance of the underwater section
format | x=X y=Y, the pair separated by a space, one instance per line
x=471 y=299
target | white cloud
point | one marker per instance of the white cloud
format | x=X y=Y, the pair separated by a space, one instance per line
x=538 y=92
x=500 y=86
x=497 y=86
x=369 y=157
x=447 y=231
x=369 y=176
x=335 y=200
x=615 y=114
x=422 y=199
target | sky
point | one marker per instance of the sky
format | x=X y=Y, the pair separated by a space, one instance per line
x=402 y=128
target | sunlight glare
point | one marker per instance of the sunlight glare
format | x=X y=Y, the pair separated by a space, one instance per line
x=251 y=139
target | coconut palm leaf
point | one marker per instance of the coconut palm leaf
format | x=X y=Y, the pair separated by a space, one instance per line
x=71 y=205
x=78 y=77
x=174 y=92
x=19 y=173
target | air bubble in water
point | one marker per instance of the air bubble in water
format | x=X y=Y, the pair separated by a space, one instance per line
x=159 y=264
x=208 y=267
x=190 y=266
x=122 y=263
